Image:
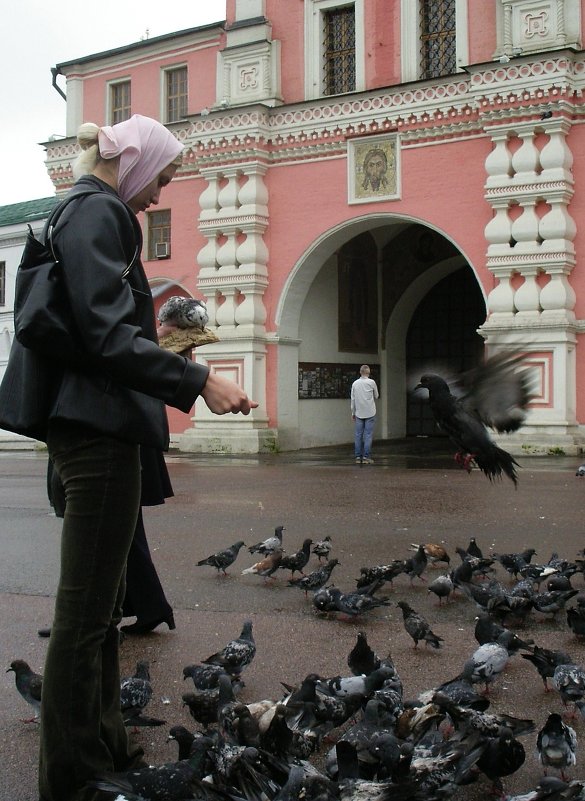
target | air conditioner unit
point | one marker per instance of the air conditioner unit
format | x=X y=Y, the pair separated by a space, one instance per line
x=162 y=250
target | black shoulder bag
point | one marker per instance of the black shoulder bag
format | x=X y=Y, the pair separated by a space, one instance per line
x=43 y=320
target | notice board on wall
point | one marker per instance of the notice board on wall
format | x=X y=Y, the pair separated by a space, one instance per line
x=326 y=381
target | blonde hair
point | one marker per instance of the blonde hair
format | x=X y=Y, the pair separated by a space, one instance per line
x=87 y=139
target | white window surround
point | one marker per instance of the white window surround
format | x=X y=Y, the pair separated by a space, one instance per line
x=314 y=10
x=410 y=38
x=109 y=84
x=163 y=87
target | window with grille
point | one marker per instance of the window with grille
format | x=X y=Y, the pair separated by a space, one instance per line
x=176 y=94
x=120 y=102
x=159 y=234
x=2 y=283
x=339 y=50
x=437 y=38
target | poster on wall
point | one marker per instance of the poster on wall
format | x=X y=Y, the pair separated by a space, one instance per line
x=326 y=381
x=373 y=168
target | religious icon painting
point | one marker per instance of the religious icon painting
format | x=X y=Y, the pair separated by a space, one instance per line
x=373 y=168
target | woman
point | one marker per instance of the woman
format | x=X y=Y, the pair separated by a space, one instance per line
x=98 y=416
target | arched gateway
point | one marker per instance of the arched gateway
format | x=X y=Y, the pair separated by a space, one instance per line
x=386 y=290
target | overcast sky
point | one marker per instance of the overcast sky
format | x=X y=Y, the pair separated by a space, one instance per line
x=35 y=35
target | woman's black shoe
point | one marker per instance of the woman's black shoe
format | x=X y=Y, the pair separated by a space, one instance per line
x=146 y=628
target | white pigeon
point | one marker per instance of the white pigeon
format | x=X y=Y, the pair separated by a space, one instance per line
x=183 y=312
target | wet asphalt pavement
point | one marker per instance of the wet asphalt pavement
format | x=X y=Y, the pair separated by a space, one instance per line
x=413 y=493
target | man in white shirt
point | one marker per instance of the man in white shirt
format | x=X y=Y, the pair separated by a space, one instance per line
x=364 y=394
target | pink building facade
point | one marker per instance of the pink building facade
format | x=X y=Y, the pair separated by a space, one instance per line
x=383 y=181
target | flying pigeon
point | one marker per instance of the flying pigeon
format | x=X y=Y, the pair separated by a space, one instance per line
x=183 y=312
x=496 y=396
x=269 y=545
x=29 y=685
x=417 y=627
x=556 y=743
x=237 y=654
x=223 y=559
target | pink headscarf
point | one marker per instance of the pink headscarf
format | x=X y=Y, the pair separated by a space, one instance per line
x=145 y=148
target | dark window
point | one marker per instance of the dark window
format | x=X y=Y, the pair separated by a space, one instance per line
x=2 y=283
x=437 y=38
x=176 y=98
x=159 y=234
x=339 y=50
x=120 y=102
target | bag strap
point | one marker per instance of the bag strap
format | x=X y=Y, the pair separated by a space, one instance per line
x=56 y=214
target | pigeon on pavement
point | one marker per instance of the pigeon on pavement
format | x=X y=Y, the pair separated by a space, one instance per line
x=237 y=654
x=442 y=587
x=223 y=559
x=269 y=545
x=29 y=685
x=546 y=662
x=315 y=580
x=135 y=694
x=295 y=562
x=322 y=548
x=556 y=743
x=489 y=660
x=435 y=552
x=417 y=627
x=415 y=566
x=362 y=659
x=267 y=566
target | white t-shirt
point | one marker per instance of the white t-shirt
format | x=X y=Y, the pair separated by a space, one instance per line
x=364 y=393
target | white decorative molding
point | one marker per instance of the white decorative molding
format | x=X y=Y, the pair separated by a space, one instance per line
x=249 y=74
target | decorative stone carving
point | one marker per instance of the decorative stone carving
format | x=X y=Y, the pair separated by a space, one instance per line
x=532 y=25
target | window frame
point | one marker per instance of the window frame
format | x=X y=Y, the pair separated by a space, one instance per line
x=165 y=72
x=111 y=86
x=2 y=283
x=152 y=242
x=314 y=53
x=410 y=13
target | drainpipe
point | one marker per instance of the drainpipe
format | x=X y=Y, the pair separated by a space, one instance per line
x=55 y=71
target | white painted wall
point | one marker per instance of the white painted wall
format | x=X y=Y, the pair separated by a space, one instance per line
x=325 y=422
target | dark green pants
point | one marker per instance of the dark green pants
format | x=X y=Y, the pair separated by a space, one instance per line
x=82 y=731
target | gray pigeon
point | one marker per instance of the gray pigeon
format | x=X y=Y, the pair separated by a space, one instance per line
x=315 y=580
x=184 y=312
x=136 y=690
x=270 y=544
x=322 y=548
x=223 y=559
x=237 y=654
x=556 y=744
x=417 y=627
x=29 y=685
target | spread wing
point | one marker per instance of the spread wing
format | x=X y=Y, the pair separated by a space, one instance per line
x=498 y=391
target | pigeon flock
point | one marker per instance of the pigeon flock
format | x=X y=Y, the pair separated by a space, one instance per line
x=362 y=734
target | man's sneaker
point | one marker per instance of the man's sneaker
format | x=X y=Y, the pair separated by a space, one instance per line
x=358 y=460
x=368 y=461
